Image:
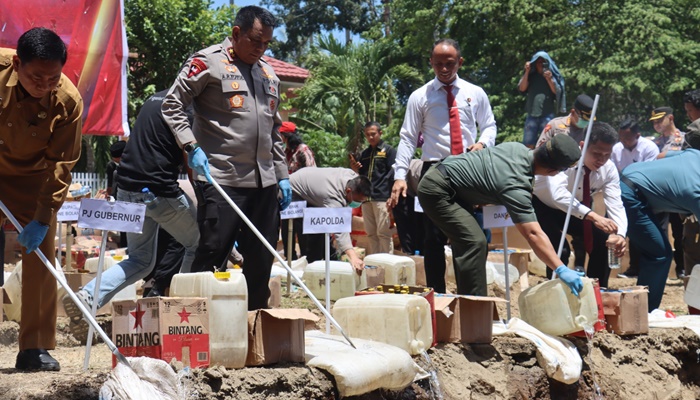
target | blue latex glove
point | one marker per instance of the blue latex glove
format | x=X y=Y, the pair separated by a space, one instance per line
x=32 y=235
x=199 y=162
x=571 y=278
x=286 y=189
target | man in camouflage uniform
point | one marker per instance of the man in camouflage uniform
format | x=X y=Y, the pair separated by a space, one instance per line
x=235 y=94
x=573 y=124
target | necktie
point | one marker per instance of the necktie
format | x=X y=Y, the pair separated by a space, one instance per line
x=587 y=225
x=455 y=128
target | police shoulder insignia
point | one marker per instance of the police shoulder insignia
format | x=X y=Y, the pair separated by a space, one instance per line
x=272 y=104
x=235 y=85
x=196 y=67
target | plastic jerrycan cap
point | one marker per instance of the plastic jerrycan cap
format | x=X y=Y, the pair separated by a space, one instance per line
x=222 y=276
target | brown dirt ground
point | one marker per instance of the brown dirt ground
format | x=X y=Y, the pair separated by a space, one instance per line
x=662 y=365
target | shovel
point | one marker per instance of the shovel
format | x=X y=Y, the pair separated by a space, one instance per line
x=281 y=260
x=88 y=316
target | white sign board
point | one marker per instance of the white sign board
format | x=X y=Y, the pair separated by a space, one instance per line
x=295 y=210
x=416 y=206
x=117 y=216
x=69 y=211
x=497 y=217
x=327 y=220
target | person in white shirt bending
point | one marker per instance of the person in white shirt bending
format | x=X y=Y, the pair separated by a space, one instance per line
x=632 y=148
x=553 y=194
x=446 y=111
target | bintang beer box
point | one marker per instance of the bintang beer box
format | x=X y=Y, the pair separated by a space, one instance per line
x=163 y=327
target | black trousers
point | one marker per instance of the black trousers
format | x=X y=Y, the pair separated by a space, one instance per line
x=169 y=255
x=552 y=222
x=409 y=225
x=220 y=227
x=676 y=222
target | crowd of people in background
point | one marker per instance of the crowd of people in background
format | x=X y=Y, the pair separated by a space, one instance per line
x=220 y=120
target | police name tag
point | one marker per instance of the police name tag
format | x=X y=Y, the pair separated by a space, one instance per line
x=295 y=210
x=327 y=220
x=117 y=216
x=497 y=217
x=69 y=211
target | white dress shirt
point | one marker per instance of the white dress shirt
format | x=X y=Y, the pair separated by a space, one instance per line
x=555 y=192
x=427 y=112
x=645 y=150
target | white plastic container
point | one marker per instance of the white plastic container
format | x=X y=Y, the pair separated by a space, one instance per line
x=344 y=280
x=692 y=290
x=398 y=270
x=92 y=263
x=401 y=320
x=554 y=310
x=228 y=312
x=13 y=288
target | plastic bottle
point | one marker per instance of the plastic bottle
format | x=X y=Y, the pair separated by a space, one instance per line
x=84 y=190
x=613 y=260
x=149 y=199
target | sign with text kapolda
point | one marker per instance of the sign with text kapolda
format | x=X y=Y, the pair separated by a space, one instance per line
x=327 y=220
x=497 y=217
x=114 y=216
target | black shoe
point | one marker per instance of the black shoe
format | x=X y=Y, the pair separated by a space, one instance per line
x=36 y=360
x=680 y=274
x=579 y=268
x=154 y=292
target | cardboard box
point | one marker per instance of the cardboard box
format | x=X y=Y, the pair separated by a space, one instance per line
x=420 y=270
x=277 y=335
x=275 y=285
x=427 y=293
x=12 y=250
x=163 y=328
x=519 y=258
x=466 y=319
x=626 y=310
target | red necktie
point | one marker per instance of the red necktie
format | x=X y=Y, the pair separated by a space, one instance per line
x=455 y=127
x=587 y=225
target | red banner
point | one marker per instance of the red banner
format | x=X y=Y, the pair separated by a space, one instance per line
x=97 y=52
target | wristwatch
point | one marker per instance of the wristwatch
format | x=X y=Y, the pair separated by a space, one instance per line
x=189 y=147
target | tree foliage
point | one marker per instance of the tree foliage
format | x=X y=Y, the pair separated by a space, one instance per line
x=161 y=35
x=303 y=20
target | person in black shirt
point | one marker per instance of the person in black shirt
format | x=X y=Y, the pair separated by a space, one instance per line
x=376 y=163
x=148 y=174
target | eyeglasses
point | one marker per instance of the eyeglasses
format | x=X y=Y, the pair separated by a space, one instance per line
x=449 y=65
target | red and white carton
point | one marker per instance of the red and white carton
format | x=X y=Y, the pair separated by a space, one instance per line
x=165 y=328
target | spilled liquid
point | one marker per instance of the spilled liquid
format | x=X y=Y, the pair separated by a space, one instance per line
x=435 y=389
x=588 y=329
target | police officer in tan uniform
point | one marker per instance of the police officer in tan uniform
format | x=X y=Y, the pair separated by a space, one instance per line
x=573 y=124
x=235 y=140
x=40 y=133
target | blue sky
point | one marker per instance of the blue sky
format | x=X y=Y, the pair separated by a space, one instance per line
x=239 y=3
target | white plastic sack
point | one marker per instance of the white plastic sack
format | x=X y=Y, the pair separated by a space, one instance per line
x=297 y=265
x=557 y=356
x=371 y=366
x=658 y=319
x=13 y=288
x=150 y=379
x=495 y=272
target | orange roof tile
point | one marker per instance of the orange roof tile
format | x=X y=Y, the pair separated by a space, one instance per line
x=286 y=71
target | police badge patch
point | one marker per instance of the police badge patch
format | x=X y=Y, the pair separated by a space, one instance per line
x=235 y=85
x=236 y=101
x=196 y=66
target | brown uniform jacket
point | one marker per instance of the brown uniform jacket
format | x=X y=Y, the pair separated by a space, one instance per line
x=39 y=138
x=236 y=126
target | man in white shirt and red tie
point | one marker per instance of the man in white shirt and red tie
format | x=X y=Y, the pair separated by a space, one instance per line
x=553 y=194
x=447 y=111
